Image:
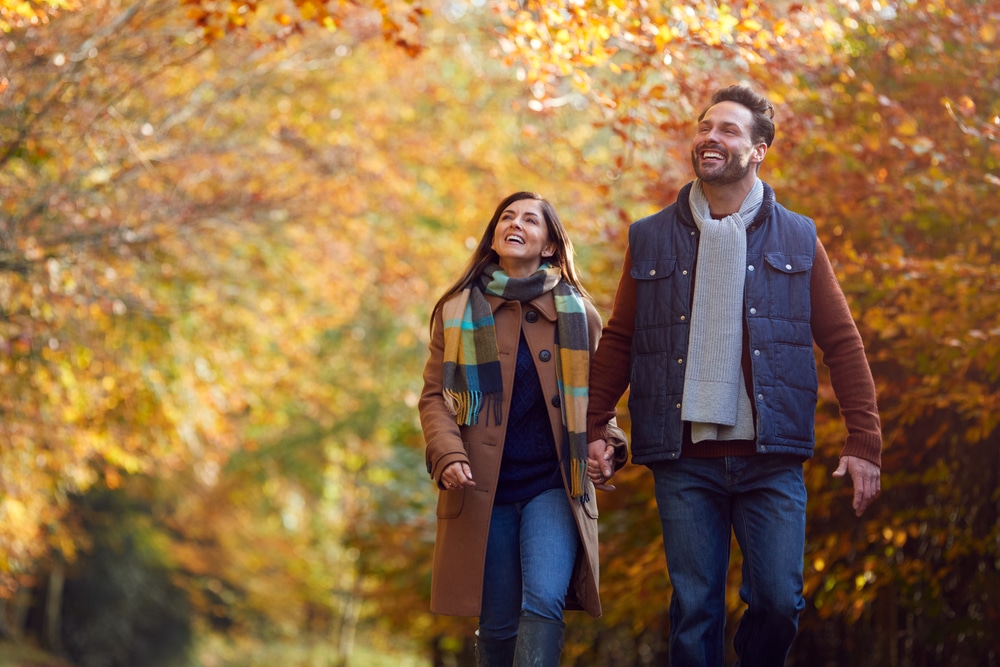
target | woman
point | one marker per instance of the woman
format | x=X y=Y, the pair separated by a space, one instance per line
x=503 y=412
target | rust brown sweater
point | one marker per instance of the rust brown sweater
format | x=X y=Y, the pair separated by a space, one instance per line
x=833 y=330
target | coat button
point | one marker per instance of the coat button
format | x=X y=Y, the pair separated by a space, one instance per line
x=544 y=355
x=531 y=316
x=555 y=401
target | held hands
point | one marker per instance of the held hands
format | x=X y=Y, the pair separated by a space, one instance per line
x=599 y=467
x=456 y=475
x=866 y=478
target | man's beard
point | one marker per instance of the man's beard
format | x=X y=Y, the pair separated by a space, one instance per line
x=732 y=172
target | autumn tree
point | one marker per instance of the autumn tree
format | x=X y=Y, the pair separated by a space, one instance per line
x=222 y=226
x=887 y=117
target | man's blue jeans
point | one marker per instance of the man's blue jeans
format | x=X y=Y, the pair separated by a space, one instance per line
x=529 y=562
x=762 y=499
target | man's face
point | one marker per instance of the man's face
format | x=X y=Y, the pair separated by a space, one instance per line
x=722 y=151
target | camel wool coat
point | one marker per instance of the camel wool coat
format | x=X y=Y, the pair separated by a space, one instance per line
x=463 y=515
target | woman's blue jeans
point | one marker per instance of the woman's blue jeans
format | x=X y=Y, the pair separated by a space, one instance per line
x=762 y=499
x=529 y=562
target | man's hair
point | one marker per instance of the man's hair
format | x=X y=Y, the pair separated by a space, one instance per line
x=762 y=109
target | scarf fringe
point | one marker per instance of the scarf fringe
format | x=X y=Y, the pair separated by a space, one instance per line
x=466 y=406
x=578 y=477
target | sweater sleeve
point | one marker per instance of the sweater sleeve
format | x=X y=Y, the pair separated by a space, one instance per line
x=610 y=366
x=837 y=337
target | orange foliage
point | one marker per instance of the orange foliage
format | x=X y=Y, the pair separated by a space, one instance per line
x=222 y=225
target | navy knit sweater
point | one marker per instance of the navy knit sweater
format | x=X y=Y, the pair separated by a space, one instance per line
x=529 y=465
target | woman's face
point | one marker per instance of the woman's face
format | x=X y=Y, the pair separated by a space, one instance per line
x=521 y=238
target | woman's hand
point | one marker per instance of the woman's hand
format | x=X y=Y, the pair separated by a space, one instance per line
x=456 y=475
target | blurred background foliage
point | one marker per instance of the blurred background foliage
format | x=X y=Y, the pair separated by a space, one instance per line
x=222 y=226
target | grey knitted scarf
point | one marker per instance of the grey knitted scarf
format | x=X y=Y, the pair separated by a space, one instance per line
x=715 y=400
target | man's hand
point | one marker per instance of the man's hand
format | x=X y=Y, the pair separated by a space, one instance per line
x=866 y=477
x=599 y=468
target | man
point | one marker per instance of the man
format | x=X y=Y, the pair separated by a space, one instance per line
x=721 y=297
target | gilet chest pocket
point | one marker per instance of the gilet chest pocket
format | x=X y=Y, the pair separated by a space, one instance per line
x=653 y=269
x=662 y=298
x=788 y=285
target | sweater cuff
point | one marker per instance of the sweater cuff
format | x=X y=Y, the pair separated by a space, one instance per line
x=597 y=428
x=866 y=446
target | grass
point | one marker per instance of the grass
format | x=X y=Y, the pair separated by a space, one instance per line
x=287 y=655
x=255 y=655
x=225 y=654
x=23 y=655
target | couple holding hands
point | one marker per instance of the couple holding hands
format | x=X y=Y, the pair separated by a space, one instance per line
x=722 y=296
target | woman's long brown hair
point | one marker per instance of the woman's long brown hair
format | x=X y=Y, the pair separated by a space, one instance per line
x=484 y=254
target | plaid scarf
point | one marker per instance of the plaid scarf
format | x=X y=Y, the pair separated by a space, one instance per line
x=472 y=376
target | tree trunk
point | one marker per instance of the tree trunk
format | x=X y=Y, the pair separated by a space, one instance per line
x=14 y=614
x=53 y=607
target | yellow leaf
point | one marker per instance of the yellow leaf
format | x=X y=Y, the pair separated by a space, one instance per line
x=308 y=10
x=908 y=127
x=897 y=51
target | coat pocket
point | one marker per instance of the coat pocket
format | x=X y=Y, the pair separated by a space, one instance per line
x=589 y=501
x=450 y=503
